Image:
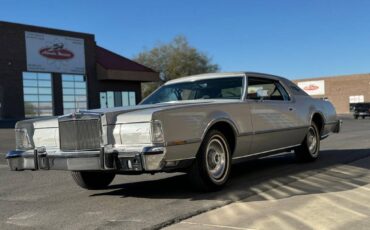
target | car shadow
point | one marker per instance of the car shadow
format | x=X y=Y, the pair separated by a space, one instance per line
x=251 y=178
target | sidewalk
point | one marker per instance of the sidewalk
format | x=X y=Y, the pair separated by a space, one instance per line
x=338 y=198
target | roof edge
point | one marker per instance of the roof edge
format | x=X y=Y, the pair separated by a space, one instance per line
x=120 y=56
x=45 y=27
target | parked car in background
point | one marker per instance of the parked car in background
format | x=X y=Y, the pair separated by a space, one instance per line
x=361 y=110
x=198 y=124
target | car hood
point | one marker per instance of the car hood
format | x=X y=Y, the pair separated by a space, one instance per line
x=120 y=115
x=143 y=113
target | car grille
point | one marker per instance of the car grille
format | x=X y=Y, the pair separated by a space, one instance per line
x=84 y=134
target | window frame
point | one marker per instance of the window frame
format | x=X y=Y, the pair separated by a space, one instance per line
x=72 y=82
x=123 y=95
x=38 y=77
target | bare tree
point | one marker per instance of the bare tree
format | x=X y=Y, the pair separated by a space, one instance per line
x=173 y=60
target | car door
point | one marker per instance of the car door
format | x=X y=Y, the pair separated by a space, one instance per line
x=275 y=122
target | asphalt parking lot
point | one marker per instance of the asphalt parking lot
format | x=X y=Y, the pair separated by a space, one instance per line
x=271 y=193
x=7 y=141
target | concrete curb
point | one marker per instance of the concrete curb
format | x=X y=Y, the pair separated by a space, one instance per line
x=203 y=221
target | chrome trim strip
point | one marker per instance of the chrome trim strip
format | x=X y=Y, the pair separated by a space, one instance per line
x=47 y=128
x=63 y=155
x=245 y=134
x=82 y=155
x=182 y=159
x=183 y=142
x=282 y=129
x=198 y=140
x=273 y=150
x=127 y=123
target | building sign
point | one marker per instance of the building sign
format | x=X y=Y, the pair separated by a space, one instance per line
x=356 y=99
x=313 y=87
x=51 y=53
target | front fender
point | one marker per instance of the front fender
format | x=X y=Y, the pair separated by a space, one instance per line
x=216 y=117
x=184 y=129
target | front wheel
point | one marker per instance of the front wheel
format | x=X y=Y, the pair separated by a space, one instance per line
x=310 y=147
x=212 y=166
x=93 y=180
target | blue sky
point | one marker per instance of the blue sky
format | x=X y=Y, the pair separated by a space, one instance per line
x=293 y=38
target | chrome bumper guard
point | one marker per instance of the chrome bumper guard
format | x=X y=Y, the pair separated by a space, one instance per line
x=149 y=159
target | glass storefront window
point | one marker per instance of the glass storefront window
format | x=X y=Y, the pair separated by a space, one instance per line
x=37 y=91
x=74 y=93
x=117 y=98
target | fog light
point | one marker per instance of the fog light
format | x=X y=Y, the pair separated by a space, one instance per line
x=171 y=163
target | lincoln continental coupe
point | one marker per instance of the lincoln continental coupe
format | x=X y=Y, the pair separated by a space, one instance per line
x=200 y=125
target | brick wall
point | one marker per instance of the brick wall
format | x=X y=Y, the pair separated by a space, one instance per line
x=338 y=89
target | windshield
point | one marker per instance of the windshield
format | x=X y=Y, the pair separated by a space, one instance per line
x=219 y=88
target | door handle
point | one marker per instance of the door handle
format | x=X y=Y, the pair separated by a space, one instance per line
x=291 y=108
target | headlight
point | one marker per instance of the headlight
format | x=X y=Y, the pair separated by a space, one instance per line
x=135 y=133
x=141 y=133
x=22 y=139
x=157 y=132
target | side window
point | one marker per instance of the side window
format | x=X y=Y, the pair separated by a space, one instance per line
x=266 y=89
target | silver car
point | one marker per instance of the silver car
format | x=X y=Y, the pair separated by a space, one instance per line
x=199 y=124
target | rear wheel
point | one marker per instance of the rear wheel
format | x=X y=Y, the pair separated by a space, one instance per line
x=310 y=147
x=212 y=165
x=93 y=180
x=356 y=116
x=363 y=117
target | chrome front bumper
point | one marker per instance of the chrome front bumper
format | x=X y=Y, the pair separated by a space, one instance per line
x=148 y=159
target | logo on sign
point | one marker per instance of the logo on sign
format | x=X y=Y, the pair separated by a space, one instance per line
x=311 y=87
x=57 y=52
